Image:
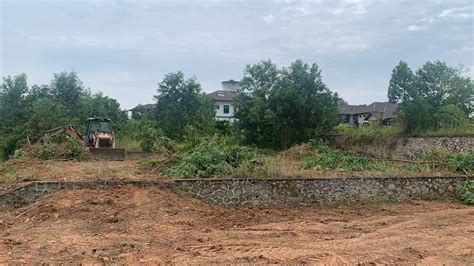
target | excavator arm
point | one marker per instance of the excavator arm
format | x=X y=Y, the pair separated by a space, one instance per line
x=74 y=134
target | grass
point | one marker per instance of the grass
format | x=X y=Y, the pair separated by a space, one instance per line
x=467 y=130
x=128 y=144
x=369 y=134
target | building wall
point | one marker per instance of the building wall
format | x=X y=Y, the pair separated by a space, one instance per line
x=220 y=115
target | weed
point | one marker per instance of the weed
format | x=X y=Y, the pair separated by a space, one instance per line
x=462 y=162
x=328 y=158
x=64 y=148
x=217 y=156
x=466 y=192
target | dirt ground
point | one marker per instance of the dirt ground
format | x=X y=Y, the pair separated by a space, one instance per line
x=154 y=225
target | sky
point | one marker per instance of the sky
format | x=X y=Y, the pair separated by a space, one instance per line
x=124 y=48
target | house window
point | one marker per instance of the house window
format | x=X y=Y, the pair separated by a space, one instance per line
x=217 y=107
x=226 y=109
x=220 y=94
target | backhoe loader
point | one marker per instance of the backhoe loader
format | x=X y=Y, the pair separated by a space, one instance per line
x=99 y=138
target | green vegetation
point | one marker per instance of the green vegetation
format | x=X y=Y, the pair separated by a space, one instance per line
x=435 y=97
x=26 y=112
x=180 y=103
x=61 y=147
x=466 y=192
x=370 y=134
x=218 y=156
x=328 y=158
x=277 y=108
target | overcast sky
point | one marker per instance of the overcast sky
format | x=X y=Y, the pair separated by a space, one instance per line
x=124 y=48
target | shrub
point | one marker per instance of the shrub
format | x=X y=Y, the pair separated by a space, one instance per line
x=299 y=152
x=466 y=192
x=210 y=158
x=328 y=158
x=463 y=162
x=61 y=147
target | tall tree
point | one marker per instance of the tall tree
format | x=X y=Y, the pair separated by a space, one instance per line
x=401 y=83
x=282 y=107
x=181 y=103
x=436 y=96
x=12 y=101
x=68 y=88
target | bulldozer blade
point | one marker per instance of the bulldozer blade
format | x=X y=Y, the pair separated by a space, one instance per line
x=108 y=154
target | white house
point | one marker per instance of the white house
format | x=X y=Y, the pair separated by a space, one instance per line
x=224 y=100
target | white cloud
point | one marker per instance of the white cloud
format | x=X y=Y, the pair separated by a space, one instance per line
x=415 y=28
x=461 y=12
x=268 y=18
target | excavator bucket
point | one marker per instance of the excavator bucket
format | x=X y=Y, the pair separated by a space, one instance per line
x=108 y=154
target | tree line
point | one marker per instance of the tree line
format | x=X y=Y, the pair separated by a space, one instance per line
x=275 y=107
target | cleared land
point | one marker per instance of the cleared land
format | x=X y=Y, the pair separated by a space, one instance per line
x=277 y=167
x=129 y=224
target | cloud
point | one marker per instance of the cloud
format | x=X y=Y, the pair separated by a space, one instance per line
x=126 y=47
x=458 y=13
x=415 y=28
x=268 y=18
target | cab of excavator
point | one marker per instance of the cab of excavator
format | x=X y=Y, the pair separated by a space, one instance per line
x=97 y=124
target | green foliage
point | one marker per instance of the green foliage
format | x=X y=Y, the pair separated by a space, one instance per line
x=369 y=134
x=151 y=137
x=180 y=103
x=463 y=162
x=466 y=192
x=328 y=158
x=282 y=107
x=217 y=156
x=25 y=113
x=435 y=97
x=60 y=147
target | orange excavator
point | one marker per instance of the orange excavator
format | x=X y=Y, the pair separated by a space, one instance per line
x=99 y=138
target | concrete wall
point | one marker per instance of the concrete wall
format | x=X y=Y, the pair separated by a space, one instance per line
x=220 y=115
x=269 y=192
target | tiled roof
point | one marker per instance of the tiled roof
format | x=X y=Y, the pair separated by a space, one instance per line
x=387 y=108
x=223 y=95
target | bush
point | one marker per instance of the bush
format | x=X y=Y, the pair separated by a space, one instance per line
x=299 y=152
x=60 y=147
x=462 y=162
x=370 y=134
x=210 y=158
x=466 y=192
x=328 y=158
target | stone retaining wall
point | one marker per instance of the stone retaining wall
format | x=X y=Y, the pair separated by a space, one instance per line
x=270 y=192
x=319 y=191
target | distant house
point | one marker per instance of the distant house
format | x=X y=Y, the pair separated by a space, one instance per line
x=141 y=110
x=359 y=115
x=224 y=100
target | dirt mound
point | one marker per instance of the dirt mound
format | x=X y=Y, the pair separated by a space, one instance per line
x=130 y=224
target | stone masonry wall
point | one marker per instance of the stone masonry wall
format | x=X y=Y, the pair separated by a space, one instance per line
x=268 y=192
x=284 y=192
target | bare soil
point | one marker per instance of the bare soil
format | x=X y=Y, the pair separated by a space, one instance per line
x=154 y=225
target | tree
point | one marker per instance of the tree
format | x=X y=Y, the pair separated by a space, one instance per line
x=68 y=88
x=26 y=113
x=101 y=106
x=181 y=103
x=431 y=96
x=12 y=101
x=282 y=107
x=253 y=111
x=401 y=82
